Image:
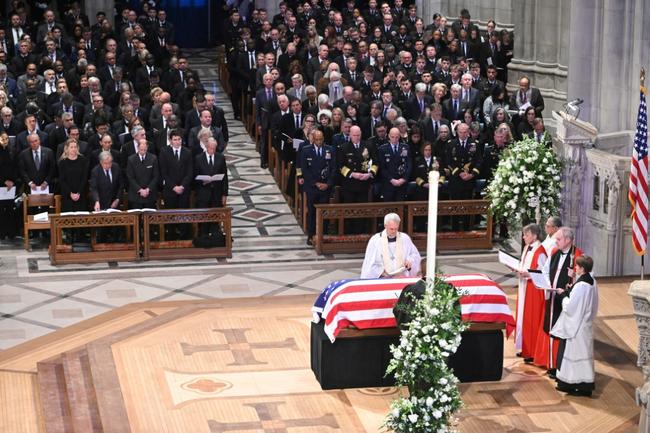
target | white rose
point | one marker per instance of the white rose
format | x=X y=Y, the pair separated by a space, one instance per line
x=429 y=401
x=443 y=381
x=413 y=418
x=436 y=414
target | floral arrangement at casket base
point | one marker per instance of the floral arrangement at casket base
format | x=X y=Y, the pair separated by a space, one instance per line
x=420 y=363
x=527 y=184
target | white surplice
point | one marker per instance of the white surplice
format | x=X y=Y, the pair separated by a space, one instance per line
x=373 y=263
x=575 y=325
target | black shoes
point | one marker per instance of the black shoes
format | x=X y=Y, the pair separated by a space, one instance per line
x=551 y=373
x=310 y=241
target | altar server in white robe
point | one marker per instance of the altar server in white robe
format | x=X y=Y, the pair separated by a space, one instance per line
x=391 y=253
x=575 y=368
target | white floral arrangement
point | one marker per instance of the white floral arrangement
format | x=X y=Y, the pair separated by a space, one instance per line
x=526 y=184
x=419 y=363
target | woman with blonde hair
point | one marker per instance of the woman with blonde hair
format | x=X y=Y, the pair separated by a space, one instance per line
x=439 y=92
x=337 y=119
x=73 y=178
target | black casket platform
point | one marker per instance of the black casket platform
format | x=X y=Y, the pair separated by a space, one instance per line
x=358 y=358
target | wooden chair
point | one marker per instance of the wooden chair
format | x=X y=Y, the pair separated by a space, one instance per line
x=53 y=202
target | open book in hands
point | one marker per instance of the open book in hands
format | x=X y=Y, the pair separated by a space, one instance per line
x=207 y=178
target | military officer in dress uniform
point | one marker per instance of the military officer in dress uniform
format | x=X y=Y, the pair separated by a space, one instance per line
x=318 y=166
x=394 y=167
x=358 y=170
x=463 y=166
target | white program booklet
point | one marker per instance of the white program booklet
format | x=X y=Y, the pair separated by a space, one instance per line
x=539 y=279
x=207 y=178
x=7 y=193
x=508 y=259
x=38 y=190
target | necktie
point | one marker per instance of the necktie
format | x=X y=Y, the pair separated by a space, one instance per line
x=463 y=144
x=251 y=60
x=297 y=121
x=141 y=158
x=336 y=93
x=210 y=161
x=353 y=76
x=108 y=175
x=421 y=105
x=385 y=111
x=176 y=153
x=268 y=94
x=455 y=106
x=356 y=146
x=37 y=160
x=435 y=128
x=524 y=97
x=395 y=149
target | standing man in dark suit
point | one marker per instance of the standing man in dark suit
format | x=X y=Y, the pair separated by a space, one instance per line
x=394 y=167
x=431 y=127
x=106 y=183
x=453 y=107
x=318 y=166
x=266 y=105
x=176 y=172
x=36 y=165
x=142 y=175
x=527 y=95
x=211 y=194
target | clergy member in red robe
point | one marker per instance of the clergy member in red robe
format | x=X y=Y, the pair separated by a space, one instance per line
x=530 y=299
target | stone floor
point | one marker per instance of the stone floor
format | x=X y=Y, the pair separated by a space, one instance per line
x=270 y=256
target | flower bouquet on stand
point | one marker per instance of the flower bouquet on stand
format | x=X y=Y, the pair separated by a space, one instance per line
x=420 y=363
x=527 y=184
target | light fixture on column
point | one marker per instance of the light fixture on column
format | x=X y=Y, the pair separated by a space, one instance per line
x=572 y=108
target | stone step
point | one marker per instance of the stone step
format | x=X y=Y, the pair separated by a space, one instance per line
x=53 y=395
x=81 y=393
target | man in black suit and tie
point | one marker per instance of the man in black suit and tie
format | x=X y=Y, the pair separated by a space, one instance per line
x=318 y=166
x=176 y=172
x=36 y=165
x=452 y=107
x=210 y=194
x=193 y=141
x=418 y=105
x=527 y=95
x=31 y=129
x=142 y=176
x=106 y=183
x=431 y=126
x=266 y=105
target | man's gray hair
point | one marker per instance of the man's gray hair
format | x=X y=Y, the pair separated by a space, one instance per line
x=105 y=156
x=3 y=67
x=136 y=130
x=392 y=217
x=420 y=87
x=456 y=87
x=567 y=232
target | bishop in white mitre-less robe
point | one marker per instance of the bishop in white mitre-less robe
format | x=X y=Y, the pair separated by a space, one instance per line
x=385 y=256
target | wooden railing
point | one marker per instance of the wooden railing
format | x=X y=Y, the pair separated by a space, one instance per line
x=328 y=240
x=136 y=245
x=185 y=249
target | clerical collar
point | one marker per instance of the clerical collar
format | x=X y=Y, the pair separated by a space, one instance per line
x=392 y=239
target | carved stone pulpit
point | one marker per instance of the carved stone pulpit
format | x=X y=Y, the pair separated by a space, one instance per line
x=640 y=293
x=572 y=139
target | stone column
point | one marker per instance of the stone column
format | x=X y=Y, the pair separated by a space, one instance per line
x=640 y=293
x=426 y=9
x=481 y=11
x=605 y=71
x=541 y=48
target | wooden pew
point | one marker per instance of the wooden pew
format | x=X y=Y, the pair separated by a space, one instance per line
x=177 y=249
x=342 y=243
x=61 y=253
x=477 y=239
x=447 y=240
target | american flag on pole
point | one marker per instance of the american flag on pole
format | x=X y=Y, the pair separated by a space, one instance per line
x=367 y=304
x=638 y=194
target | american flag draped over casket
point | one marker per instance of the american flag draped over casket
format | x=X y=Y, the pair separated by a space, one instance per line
x=366 y=304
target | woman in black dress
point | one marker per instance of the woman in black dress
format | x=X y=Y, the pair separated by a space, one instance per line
x=73 y=178
x=8 y=177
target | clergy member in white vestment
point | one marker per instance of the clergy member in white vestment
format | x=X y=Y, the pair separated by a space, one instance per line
x=575 y=368
x=391 y=253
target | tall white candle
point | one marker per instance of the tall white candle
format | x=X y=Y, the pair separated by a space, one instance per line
x=432 y=226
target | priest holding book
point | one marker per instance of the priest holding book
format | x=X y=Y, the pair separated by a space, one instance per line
x=391 y=253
